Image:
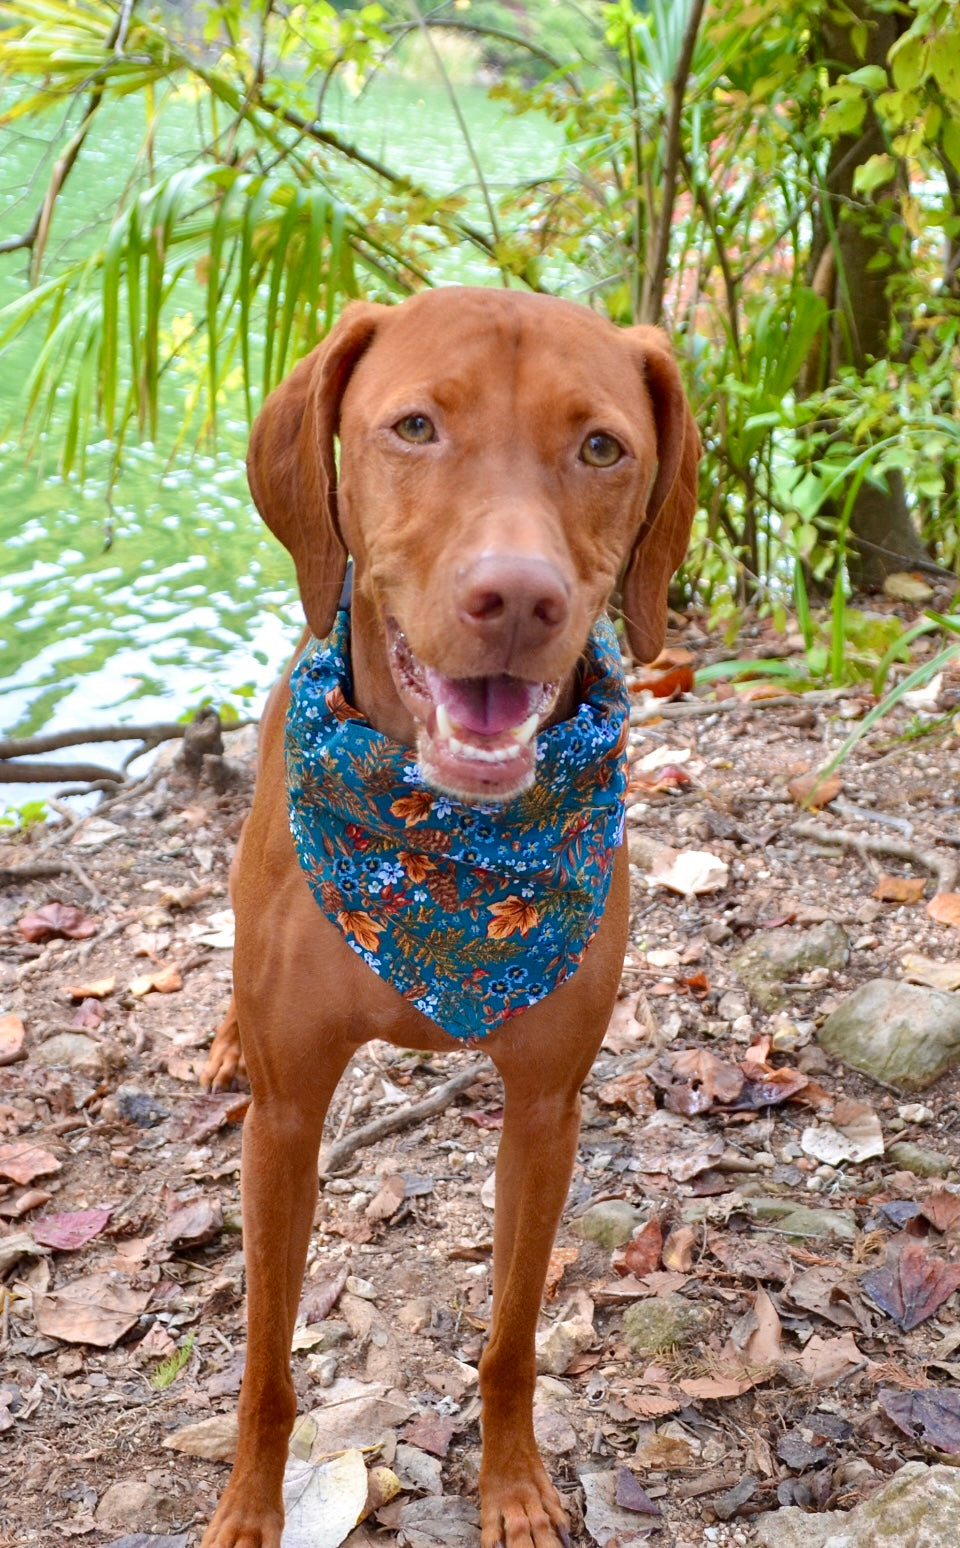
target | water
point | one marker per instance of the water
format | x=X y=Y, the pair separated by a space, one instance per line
x=177 y=593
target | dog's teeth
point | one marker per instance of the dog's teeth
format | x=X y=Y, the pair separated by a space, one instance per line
x=524 y=733
x=444 y=723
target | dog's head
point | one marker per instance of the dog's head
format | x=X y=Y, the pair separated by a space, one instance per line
x=504 y=458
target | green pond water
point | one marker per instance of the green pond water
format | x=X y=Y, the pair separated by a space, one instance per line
x=191 y=598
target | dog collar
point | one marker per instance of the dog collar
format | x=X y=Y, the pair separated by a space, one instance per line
x=473 y=913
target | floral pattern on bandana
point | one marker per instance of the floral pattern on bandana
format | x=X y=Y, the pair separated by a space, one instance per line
x=473 y=913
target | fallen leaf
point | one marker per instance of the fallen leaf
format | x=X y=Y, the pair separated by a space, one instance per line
x=642 y=1254
x=214 y=1439
x=855 y=1135
x=652 y=1405
x=912 y=1284
x=749 y=1257
x=813 y=790
x=899 y=889
x=57 y=919
x=12 y=1035
x=561 y=1259
x=19 y=1244
x=431 y=1432
x=826 y=1361
x=694 y=1080
x=710 y=1387
x=918 y=969
x=669 y=777
x=678 y=1250
x=21 y=1162
x=689 y=871
x=663 y=685
x=930 y=1415
x=942 y=1209
x=757 y=1337
x=97 y=990
x=945 y=908
x=632 y=1090
x=383 y=1485
x=825 y=1290
x=630 y=1495
x=319 y=1300
x=630 y=1026
x=166 y=980
x=70 y=1231
x=193 y=1224
x=323 y=1501
x=387 y=1201
x=448 y=1522
x=907 y=586
x=12 y=1209
x=96 y=1309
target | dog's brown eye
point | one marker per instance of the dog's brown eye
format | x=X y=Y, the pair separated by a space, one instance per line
x=416 y=428
x=601 y=451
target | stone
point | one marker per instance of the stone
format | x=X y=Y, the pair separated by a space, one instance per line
x=771 y=958
x=559 y=1345
x=800 y=1220
x=918 y=1508
x=133 y=1503
x=552 y=1431
x=651 y=1326
x=919 y=1159
x=71 y=1051
x=900 y=1034
x=610 y=1224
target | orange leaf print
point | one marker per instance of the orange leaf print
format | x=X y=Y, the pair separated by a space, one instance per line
x=511 y=915
x=413 y=808
x=416 y=867
x=338 y=706
x=353 y=921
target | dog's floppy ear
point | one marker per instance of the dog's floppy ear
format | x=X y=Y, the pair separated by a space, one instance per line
x=671 y=504
x=291 y=466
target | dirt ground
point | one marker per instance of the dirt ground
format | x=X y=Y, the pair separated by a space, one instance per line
x=122 y=1175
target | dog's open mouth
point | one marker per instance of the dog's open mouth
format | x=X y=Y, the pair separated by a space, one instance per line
x=477 y=736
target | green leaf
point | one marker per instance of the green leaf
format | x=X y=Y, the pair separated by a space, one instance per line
x=908 y=62
x=874 y=173
x=871 y=77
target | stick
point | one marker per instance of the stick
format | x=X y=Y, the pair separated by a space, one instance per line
x=685 y=708
x=943 y=866
x=334 y=1157
x=25 y=772
x=51 y=741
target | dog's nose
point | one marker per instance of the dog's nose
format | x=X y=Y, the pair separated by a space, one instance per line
x=513 y=597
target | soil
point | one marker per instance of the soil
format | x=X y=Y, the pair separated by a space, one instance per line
x=134 y=1137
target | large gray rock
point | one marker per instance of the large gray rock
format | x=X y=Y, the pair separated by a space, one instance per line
x=771 y=958
x=610 y=1223
x=918 y=1508
x=664 y=1323
x=901 y=1034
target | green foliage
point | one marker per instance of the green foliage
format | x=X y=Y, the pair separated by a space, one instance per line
x=29 y=814
x=168 y=1370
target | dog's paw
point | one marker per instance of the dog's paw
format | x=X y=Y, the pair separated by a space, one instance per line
x=225 y=1060
x=243 y=1524
x=522 y=1512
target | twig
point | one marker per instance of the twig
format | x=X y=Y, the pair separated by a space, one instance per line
x=943 y=866
x=334 y=1157
x=24 y=771
x=685 y=708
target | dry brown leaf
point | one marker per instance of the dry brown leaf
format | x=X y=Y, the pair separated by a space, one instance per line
x=57 y=919
x=716 y=1386
x=12 y=1035
x=96 y=1309
x=632 y=1090
x=213 y=1439
x=387 y=1201
x=899 y=889
x=759 y=1334
x=21 y=1162
x=651 y=1405
x=827 y=1360
x=813 y=790
x=945 y=908
x=642 y=1255
x=561 y=1259
x=97 y=990
x=166 y=980
x=690 y=871
x=678 y=1250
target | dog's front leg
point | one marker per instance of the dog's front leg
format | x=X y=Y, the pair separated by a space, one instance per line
x=281 y=1140
x=541 y=1122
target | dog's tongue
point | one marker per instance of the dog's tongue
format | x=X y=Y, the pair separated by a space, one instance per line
x=485 y=705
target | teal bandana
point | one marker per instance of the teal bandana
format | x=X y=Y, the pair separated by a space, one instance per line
x=473 y=913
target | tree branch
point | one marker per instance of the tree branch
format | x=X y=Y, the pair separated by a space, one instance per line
x=656 y=279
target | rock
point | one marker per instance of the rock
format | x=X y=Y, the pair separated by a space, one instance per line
x=71 y=1051
x=773 y=957
x=559 y=1345
x=650 y=1326
x=418 y=1471
x=416 y=1315
x=611 y=1224
x=139 y=1107
x=919 y=1160
x=900 y=1034
x=553 y=1432
x=135 y=1504
x=799 y=1220
x=918 y=1508
x=605 y=1520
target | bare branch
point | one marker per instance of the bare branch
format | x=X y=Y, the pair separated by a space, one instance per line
x=656 y=280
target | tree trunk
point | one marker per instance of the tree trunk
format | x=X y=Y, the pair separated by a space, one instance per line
x=855 y=285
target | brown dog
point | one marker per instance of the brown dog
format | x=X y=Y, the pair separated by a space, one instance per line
x=505 y=457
